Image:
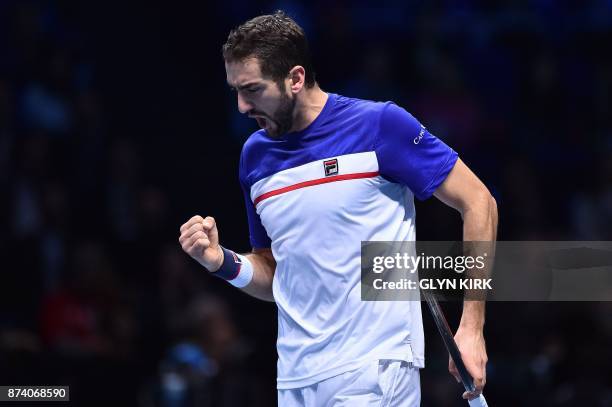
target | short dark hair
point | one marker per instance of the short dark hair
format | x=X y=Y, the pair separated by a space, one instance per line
x=276 y=40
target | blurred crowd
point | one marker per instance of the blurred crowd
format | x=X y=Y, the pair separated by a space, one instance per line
x=116 y=126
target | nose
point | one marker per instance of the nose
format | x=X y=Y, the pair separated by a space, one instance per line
x=243 y=105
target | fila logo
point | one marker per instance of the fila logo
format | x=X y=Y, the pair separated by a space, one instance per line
x=236 y=258
x=331 y=167
x=417 y=139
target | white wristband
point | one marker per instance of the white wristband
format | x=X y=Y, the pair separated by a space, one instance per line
x=245 y=275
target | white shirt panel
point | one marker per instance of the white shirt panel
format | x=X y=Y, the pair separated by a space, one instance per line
x=316 y=232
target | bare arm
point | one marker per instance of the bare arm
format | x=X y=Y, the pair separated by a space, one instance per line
x=200 y=239
x=264 y=267
x=463 y=191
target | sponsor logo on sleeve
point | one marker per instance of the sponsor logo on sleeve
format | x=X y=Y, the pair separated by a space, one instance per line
x=418 y=138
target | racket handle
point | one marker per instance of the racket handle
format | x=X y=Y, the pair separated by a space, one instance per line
x=478 y=402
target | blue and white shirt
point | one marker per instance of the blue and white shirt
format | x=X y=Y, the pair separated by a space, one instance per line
x=313 y=196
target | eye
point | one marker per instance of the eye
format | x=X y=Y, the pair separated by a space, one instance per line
x=252 y=90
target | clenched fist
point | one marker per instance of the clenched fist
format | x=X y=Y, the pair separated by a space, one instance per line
x=200 y=239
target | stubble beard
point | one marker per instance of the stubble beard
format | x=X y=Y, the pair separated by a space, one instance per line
x=283 y=116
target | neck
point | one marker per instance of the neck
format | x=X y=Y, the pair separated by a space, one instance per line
x=309 y=104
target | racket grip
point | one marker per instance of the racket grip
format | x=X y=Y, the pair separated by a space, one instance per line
x=478 y=402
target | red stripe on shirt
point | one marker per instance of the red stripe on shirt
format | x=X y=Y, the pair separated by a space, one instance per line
x=310 y=183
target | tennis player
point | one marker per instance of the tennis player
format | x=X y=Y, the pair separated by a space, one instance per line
x=324 y=173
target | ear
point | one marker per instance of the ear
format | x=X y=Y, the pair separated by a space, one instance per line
x=297 y=78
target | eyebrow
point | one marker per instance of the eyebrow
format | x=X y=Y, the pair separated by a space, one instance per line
x=245 y=86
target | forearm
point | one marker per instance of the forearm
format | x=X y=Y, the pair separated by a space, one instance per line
x=480 y=220
x=263 y=273
x=480 y=226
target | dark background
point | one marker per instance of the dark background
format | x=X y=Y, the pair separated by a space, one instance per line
x=116 y=126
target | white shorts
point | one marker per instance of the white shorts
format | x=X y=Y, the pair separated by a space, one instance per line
x=381 y=383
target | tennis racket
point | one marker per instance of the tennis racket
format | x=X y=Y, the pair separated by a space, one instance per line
x=451 y=346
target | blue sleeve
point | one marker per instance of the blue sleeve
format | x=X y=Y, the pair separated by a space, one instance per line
x=408 y=154
x=257 y=233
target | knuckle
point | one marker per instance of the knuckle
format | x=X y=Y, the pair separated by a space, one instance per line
x=197 y=218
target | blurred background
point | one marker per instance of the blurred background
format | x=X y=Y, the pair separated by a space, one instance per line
x=116 y=126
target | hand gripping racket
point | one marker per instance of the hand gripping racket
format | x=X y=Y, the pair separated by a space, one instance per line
x=451 y=346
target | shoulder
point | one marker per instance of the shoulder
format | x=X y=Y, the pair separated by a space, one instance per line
x=394 y=116
x=252 y=152
x=362 y=107
x=358 y=119
x=385 y=115
x=254 y=144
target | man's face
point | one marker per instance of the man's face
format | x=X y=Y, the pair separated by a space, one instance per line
x=261 y=99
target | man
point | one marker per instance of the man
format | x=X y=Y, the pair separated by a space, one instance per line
x=324 y=173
